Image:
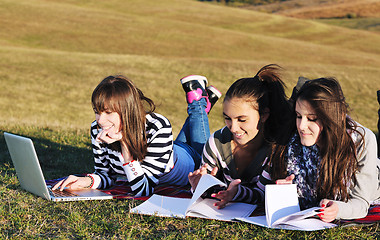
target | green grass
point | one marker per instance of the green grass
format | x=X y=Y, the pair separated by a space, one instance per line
x=22 y=215
x=53 y=53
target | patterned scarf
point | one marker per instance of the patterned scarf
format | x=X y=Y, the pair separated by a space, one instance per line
x=303 y=162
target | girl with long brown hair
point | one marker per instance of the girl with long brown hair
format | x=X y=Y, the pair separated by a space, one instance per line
x=332 y=159
x=129 y=139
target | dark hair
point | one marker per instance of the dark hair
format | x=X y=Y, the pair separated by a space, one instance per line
x=265 y=91
x=338 y=162
x=119 y=94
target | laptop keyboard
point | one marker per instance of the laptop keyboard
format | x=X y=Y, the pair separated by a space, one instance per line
x=58 y=193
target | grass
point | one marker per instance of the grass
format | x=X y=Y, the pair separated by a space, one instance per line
x=56 y=49
x=53 y=54
x=25 y=216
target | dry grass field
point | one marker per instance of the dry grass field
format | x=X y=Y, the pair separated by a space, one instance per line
x=315 y=9
x=54 y=52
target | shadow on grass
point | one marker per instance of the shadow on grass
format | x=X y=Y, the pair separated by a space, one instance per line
x=56 y=159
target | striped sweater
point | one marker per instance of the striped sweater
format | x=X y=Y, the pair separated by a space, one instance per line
x=143 y=175
x=217 y=153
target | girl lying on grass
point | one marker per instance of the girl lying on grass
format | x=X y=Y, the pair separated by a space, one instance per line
x=332 y=159
x=129 y=139
x=255 y=110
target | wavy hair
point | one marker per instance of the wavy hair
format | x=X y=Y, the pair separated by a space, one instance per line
x=119 y=94
x=338 y=156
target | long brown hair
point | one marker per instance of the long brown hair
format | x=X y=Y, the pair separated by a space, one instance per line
x=338 y=157
x=265 y=91
x=119 y=94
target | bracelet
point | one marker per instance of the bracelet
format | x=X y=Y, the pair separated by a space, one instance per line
x=92 y=182
x=125 y=164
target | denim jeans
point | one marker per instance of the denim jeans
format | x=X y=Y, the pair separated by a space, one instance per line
x=195 y=131
x=189 y=144
x=378 y=126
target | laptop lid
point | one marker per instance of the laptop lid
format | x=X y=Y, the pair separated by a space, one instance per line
x=30 y=175
x=26 y=163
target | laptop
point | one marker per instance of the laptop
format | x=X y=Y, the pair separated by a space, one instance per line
x=31 y=178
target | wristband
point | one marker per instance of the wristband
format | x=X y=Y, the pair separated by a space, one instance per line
x=92 y=182
x=125 y=164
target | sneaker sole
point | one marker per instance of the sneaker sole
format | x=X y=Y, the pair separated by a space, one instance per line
x=201 y=79
x=214 y=91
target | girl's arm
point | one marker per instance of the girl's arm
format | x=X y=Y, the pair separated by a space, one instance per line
x=213 y=157
x=259 y=188
x=367 y=187
x=103 y=175
x=144 y=176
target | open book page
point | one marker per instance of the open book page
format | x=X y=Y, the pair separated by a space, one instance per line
x=307 y=213
x=207 y=181
x=304 y=224
x=196 y=206
x=205 y=209
x=280 y=201
x=257 y=220
x=282 y=211
x=163 y=206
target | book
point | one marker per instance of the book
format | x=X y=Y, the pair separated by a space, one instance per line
x=282 y=211
x=197 y=206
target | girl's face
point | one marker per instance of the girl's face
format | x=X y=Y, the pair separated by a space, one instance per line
x=108 y=120
x=242 y=120
x=308 y=125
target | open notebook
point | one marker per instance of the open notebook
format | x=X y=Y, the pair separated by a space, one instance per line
x=30 y=175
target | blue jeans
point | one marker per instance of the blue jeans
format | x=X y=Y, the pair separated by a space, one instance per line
x=188 y=146
x=195 y=131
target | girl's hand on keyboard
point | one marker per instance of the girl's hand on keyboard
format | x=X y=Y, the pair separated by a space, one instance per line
x=73 y=182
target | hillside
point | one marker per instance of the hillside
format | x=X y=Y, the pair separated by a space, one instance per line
x=314 y=9
x=53 y=53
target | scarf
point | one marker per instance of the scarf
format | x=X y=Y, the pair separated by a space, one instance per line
x=303 y=162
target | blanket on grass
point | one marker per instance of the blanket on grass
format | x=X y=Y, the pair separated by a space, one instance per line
x=372 y=217
x=121 y=190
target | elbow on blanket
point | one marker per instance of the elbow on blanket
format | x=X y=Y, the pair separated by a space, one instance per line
x=348 y=212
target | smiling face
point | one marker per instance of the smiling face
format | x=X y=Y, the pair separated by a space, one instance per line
x=108 y=120
x=242 y=120
x=308 y=125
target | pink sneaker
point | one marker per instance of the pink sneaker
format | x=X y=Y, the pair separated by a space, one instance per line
x=195 y=88
x=213 y=96
x=201 y=79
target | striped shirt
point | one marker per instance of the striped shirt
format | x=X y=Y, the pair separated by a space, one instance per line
x=143 y=175
x=264 y=179
x=218 y=153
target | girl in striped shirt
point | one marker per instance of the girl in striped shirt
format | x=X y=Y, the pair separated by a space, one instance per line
x=129 y=139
